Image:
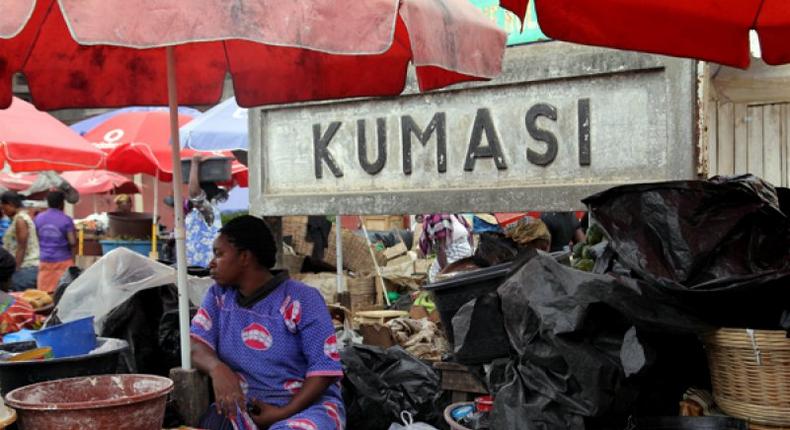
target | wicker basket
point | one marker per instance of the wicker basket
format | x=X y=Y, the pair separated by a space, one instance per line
x=750 y=371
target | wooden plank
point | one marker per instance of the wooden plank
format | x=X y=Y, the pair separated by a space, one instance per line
x=786 y=146
x=712 y=128
x=725 y=142
x=741 y=140
x=754 y=155
x=772 y=143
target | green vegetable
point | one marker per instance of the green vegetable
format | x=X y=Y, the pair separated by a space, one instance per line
x=586 y=253
x=584 y=264
x=577 y=250
x=594 y=234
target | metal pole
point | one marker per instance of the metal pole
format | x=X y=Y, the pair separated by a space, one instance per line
x=180 y=231
x=154 y=254
x=341 y=280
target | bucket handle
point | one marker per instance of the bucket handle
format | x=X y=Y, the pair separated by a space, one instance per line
x=406 y=417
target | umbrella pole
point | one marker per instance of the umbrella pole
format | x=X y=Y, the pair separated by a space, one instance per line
x=180 y=231
x=154 y=255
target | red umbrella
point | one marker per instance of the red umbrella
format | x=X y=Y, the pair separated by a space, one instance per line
x=16 y=181
x=100 y=182
x=124 y=52
x=712 y=30
x=276 y=51
x=84 y=181
x=31 y=140
x=139 y=142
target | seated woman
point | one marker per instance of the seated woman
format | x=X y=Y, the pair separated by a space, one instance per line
x=266 y=341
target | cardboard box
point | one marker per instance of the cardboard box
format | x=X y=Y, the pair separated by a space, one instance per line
x=377 y=335
x=419 y=312
x=395 y=251
x=403 y=259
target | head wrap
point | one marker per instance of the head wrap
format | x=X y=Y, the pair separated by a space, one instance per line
x=527 y=230
x=122 y=198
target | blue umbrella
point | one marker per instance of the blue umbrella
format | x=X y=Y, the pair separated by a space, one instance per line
x=89 y=124
x=221 y=128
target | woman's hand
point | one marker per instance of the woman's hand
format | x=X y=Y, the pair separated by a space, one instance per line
x=268 y=414
x=227 y=390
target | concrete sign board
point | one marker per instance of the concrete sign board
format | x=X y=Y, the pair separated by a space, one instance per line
x=562 y=122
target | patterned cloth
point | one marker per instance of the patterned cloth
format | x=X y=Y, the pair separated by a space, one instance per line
x=203 y=222
x=274 y=345
x=436 y=227
x=527 y=230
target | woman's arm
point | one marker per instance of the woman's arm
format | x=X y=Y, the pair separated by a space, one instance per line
x=314 y=387
x=22 y=234
x=72 y=238
x=227 y=389
x=194 y=180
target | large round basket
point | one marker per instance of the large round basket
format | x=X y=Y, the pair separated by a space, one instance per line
x=750 y=371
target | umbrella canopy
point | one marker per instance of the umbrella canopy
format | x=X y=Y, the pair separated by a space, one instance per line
x=711 y=30
x=17 y=181
x=86 y=125
x=139 y=142
x=31 y=140
x=276 y=51
x=84 y=181
x=221 y=128
x=100 y=182
x=79 y=53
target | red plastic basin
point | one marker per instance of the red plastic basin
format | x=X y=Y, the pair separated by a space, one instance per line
x=122 y=402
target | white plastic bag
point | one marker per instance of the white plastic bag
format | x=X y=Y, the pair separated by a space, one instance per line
x=113 y=280
x=409 y=424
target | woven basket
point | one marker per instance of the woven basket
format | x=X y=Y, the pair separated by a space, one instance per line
x=750 y=371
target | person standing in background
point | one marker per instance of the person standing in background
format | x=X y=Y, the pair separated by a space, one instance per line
x=203 y=219
x=564 y=228
x=21 y=240
x=57 y=241
x=449 y=235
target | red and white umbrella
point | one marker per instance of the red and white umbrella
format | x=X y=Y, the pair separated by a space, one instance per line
x=31 y=141
x=90 y=53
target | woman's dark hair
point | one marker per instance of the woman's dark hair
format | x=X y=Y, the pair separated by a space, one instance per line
x=250 y=233
x=55 y=199
x=11 y=198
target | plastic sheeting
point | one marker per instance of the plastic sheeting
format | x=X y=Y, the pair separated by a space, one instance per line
x=578 y=340
x=113 y=280
x=721 y=246
x=379 y=384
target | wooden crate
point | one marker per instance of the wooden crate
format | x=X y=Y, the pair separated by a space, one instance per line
x=457 y=379
x=383 y=222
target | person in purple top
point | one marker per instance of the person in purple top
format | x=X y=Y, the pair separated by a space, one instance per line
x=266 y=341
x=57 y=242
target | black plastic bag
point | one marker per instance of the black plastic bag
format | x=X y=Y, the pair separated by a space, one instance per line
x=722 y=246
x=580 y=343
x=686 y=234
x=479 y=331
x=379 y=384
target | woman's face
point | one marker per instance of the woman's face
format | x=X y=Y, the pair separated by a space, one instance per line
x=8 y=209
x=225 y=267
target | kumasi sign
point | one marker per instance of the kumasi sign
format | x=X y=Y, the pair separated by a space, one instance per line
x=531 y=140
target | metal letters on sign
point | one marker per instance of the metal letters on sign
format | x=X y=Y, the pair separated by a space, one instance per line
x=522 y=142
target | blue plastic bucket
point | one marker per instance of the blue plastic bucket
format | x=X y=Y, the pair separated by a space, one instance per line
x=142 y=247
x=68 y=339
